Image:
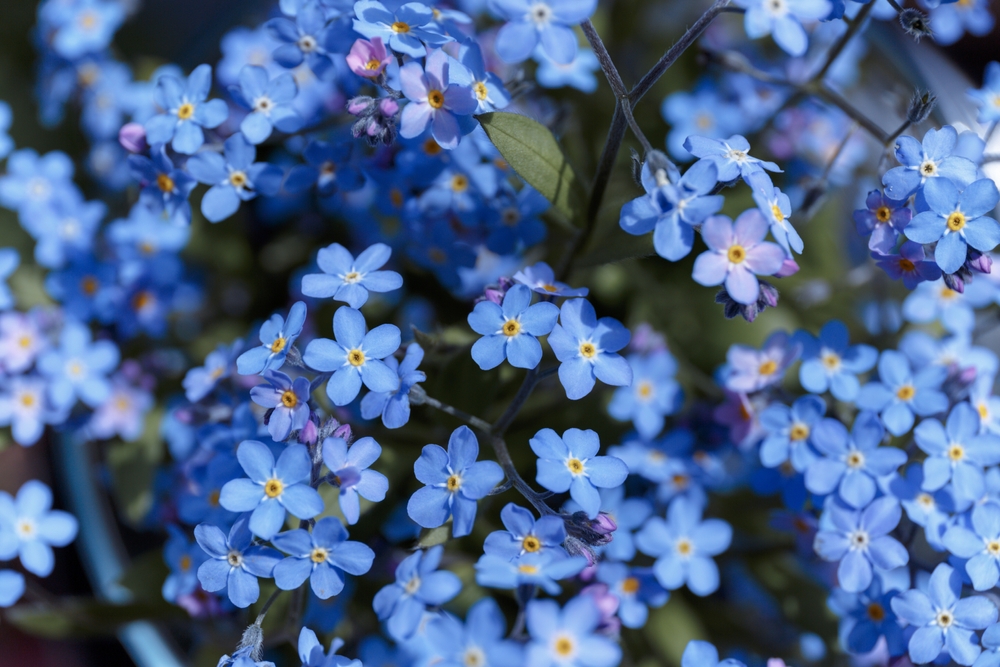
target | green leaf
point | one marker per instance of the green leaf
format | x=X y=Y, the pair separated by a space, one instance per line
x=84 y=617
x=431 y=537
x=617 y=246
x=531 y=150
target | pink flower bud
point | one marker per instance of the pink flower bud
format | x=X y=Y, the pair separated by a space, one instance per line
x=604 y=524
x=368 y=59
x=358 y=105
x=132 y=137
x=343 y=431
x=309 y=433
x=388 y=107
x=788 y=268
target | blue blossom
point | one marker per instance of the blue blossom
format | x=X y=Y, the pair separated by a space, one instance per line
x=943 y=621
x=980 y=544
x=654 y=393
x=9 y=260
x=185 y=111
x=320 y=555
x=731 y=156
x=628 y=515
x=748 y=370
x=783 y=21
x=312 y=655
x=883 y=219
x=487 y=87
x=702 y=654
x=82 y=27
x=233 y=178
x=277 y=336
x=931 y=159
x=935 y=301
x=394 y=406
x=637 y=590
x=328 y=167
x=350 y=474
x=570 y=463
x=851 y=463
x=776 y=207
x=986 y=98
x=271 y=488
x=304 y=39
x=183 y=557
x=355 y=356
x=454 y=481
x=269 y=101
x=26 y=408
x=480 y=641
x=579 y=74
x=525 y=534
x=859 y=540
x=533 y=22
x=705 y=112
x=586 y=347
x=830 y=363
x=866 y=617
x=418 y=584
x=956 y=452
x=164 y=187
x=542 y=569
x=956 y=220
x=542 y=279
x=515 y=220
x=789 y=431
x=234 y=562
x=32 y=180
x=509 y=332
x=737 y=254
x=567 y=637
x=347 y=279
x=903 y=393
x=200 y=381
x=64 y=228
x=287 y=401
x=404 y=30
x=78 y=368
x=436 y=99
x=29 y=527
x=683 y=546
x=952 y=20
x=12 y=587
x=690 y=203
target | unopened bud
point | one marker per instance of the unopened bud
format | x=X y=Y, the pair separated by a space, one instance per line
x=132 y=137
x=344 y=431
x=954 y=282
x=604 y=524
x=252 y=642
x=789 y=267
x=921 y=105
x=979 y=262
x=388 y=106
x=356 y=106
x=309 y=433
x=915 y=23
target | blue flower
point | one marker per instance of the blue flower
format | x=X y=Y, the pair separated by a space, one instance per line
x=29 y=527
x=782 y=20
x=901 y=393
x=480 y=641
x=851 y=463
x=404 y=30
x=579 y=74
x=867 y=616
x=454 y=481
x=354 y=357
x=542 y=569
x=9 y=260
x=859 y=540
x=931 y=159
x=830 y=363
x=525 y=534
x=82 y=27
x=706 y=111
x=277 y=337
x=234 y=177
x=200 y=381
x=776 y=207
x=64 y=229
x=328 y=166
x=436 y=99
x=185 y=111
x=350 y=280
x=688 y=203
x=26 y=408
x=418 y=584
x=932 y=511
x=514 y=220
x=349 y=472
x=320 y=556
x=943 y=621
x=654 y=393
x=32 y=180
x=637 y=590
x=269 y=489
x=567 y=637
x=789 y=431
x=542 y=279
x=980 y=545
x=534 y=22
x=164 y=187
x=883 y=219
x=570 y=463
x=737 y=254
x=509 y=332
x=304 y=39
x=683 y=546
x=957 y=452
x=312 y=655
x=234 y=563
x=586 y=347
x=394 y=406
x=78 y=368
x=702 y=654
x=183 y=557
x=287 y=401
x=486 y=86
x=269 y=101
x=12 y=586
x=731 y=157
x=956 y=220
x=986 y=98
x=951 y=20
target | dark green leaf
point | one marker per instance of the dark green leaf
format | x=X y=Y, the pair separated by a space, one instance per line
x=531 y=151
x=431 y=537
x=617 y=246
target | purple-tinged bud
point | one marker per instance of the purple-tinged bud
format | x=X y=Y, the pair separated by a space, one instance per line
x=344 y=431
x=604 y=524
x=496 y=293
x=132 y=137
x=768 y=298
x=607 y=604
x=388 y=107
x=915 y=24
x=183 y=415
x=356 y=106
x=493 y=295
x=768 y=295
x=954 y=282
x=979 y=262
x=956 y=385
x=309 y=433
x=789 y=267
x=645 y=339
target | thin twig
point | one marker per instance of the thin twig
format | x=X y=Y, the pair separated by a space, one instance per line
x=838 y=48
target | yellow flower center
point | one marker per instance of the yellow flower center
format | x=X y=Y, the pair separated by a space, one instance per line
x=27 y=400
x=278 y=344
x=798 y=432
x=777 y=213
x=432 y=147
x=630 y=585
x=564 y=646
x=984 y=411
x=435 y=98
x=883 y=214
x=550 y=288
x=185 y=111
x=531 y=544
x=511 y=328
x=575 y=465
x=412 y=586
x=474 y=656
x=373 y=64
x=482 y=92
x=459 y=183
x=185 y=563
x=24 y=342
x=993 y=546
x=454 y=483
x=165 y=183
x=956 y=221
x=876 y=612
x=289 y=399
x=318 y=555
x=831 y=360
x=906 y=265
x=235 y=559
x=588 y=350
x=855 y=460
x=769 y=367
x=906 y=392
x=956 y=452
x=356 y=357
x=352 y=277
x=238 y=179
x=273 y=488
x=644 y=389
x=684 y=546
x=736 y=254
x=926 y=500
x=89 y=285
x=400 y=27
x=524 y=568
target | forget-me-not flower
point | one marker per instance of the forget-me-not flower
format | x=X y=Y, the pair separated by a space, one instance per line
x=931 y=159
x=789 y=431
x=304 y=39
x=349 y=472
x=404 y=29
x=568 y=637
x=509 y=331
x=270 y=103
x=277 y=336
x=737 y=254
x=731 y=156
x=859 y=540
x=234 y=562
x=436 y=99
x=418 y=584
x=776 y=207
x=545 y=22
x=586 y=347
x=347 y=279
x=830 y=363
x=570 y=463
x=525 y=534
x=287 y=400
x=882 y=218
x=320 y=555
x=654 y=393
x=234 y=177
x=394 y=406
x=903 y=393
x=782 y=19
x=185 y=111
x=542 y=569
x=479 y=642
x=542 y=279
x=29 y=527
x=78 y=368
x=980 y=544
x=956 y=452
